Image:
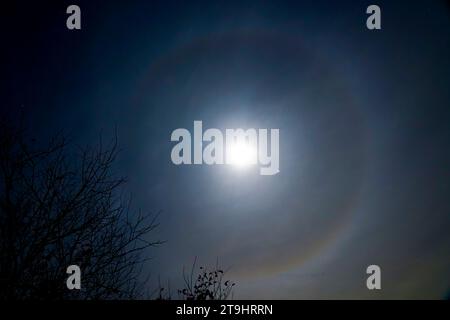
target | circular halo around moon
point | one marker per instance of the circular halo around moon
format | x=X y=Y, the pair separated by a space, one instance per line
x=266 y=80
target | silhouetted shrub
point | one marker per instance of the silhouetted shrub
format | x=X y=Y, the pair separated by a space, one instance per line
x=201 y=284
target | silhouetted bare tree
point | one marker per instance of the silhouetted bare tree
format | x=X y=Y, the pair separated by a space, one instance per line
x=59 y=208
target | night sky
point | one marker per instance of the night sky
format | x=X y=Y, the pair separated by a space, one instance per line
x=364 y=131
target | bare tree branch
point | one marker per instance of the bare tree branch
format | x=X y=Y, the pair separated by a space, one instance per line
x=58 y=209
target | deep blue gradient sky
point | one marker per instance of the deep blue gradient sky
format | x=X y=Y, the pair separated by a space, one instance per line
x=363 y=118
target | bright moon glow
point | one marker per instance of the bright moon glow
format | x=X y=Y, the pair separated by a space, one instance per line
x=241 y=154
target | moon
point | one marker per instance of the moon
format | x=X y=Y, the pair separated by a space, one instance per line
x=241 y=154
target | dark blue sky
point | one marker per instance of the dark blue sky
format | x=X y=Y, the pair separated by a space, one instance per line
x=363 y=118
